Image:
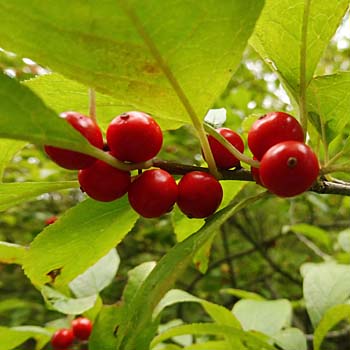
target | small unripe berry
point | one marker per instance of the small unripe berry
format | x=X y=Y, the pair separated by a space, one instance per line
x=200 y=194
x=224 y=159
x=82 y=328
x=71 y=159
x=134 y=137
x=153 y=193
x=62 y=338
x=273 y=128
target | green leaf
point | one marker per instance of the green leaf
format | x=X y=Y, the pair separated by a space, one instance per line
x=172 y=265
x=14 y=303
x=8 y=148
x=251 y=341
x=62 y=303
x=62 y=94
x=344 y=240
x=18 y=192
x=10 y=338
x=35 y=122
x=105 y=327
x=136 y=277
x=265 y=316
x=325 y=285
x=12 y=253
x=332 y=317
x=183 y=225
x=97 y=44
x=82 y=236
x=96 y=277
x=314 y=233
x=218 y=313
x=242 y=294
x=278 y=35
x=208 y=345
x=291 y=339
x=328 y=98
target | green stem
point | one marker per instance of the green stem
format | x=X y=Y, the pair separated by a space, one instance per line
x=303 y=82
x=175 y=85
x=334 y=159
x=107 y=158
x=335 y=168
x=92 y=104
x=243 y=158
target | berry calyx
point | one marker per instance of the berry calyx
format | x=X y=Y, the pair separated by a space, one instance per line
x=103 y=182
x=71 y=159
x=273 y=128
x=134 y=137
x=62 y=338
x=82 y=328
x=153 y=193
x=200 y=194
x=224 y=159
x=289 y=168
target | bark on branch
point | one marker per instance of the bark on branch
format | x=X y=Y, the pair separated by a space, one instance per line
x=241 y=174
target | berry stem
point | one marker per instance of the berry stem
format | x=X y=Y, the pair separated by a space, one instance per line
x=243 y=158
x=335 y=168
x=92 y=104
x=175 y=85
x=114 y=162
x=303 y=82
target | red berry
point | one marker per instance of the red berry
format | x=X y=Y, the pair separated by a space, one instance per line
x=200 y=194
x=71 y=159
x=51 y=220
x=62 y=338
x=103 y=182
x=82 y=328
x=134 y=137
x=153 y=193
x=273 y=128
x=289 y=168
x=223 y=158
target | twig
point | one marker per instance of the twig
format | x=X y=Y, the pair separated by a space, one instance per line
x=229 y=261
x=259 y=248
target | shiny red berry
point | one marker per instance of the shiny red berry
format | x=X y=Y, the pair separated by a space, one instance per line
x=153 y=193
x=273 y=128
x=200 y=194
x=223 y=158
x=289 y=168
x=103 y=182
x=71 y=159
x=82 y=328
x=134 y=137
x=51 y=220
x=62 y=338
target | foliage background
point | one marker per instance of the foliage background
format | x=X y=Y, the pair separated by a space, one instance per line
x=259 y=250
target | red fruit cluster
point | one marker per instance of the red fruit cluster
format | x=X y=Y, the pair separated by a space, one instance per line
x=288 y=166
x=136 y=137
x=80 y=330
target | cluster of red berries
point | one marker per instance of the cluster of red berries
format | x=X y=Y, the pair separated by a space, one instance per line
x=135 y=137
x=288 y=165
x=80 y=330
